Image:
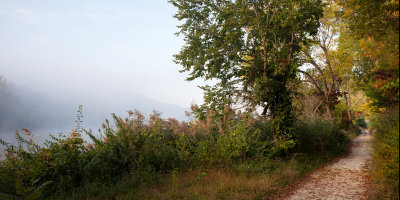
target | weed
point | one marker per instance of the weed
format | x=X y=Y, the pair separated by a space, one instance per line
x=137 y=153
x=386 y=154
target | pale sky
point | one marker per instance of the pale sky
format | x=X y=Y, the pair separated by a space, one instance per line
x=94 y=52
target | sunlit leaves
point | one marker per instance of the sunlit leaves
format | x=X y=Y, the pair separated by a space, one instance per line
x=374 y=25
x=248 y=46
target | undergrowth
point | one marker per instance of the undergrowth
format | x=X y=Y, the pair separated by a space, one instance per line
x=136 y=152
x=386 y=154
x=251 y=179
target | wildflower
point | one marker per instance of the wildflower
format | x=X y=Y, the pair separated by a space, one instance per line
x=120 y=120
x=139 y=115
x=9 y=154
x=74 y=134
x=26 y=131
x=89 y=146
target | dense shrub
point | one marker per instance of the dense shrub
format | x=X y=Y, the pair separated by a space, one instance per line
x=135 y=146
x=386 y=154
x=30 y=170
x=318 y=136
x=361 y=122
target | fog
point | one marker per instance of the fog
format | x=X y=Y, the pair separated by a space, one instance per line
x=109 y=56
x=25 y=108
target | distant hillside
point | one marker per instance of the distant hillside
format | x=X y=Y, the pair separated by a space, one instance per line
x=26 y=108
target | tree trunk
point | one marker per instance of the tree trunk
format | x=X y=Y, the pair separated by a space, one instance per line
x=329 y=112
x=348 y=101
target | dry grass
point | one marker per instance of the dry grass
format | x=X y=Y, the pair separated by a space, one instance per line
x=219 y=183
x=248 y=179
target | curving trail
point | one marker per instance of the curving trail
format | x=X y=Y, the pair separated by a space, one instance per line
x=346 y=178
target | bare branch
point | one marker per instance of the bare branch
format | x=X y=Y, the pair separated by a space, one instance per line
x=312 y=80
x=328 y=62
x=316 y=66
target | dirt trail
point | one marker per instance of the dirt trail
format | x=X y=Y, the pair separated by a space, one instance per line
x=346 y=178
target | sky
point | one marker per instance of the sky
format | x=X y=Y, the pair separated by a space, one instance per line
x=102 y=54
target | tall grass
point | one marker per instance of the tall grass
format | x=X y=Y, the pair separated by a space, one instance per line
x=386 y=154
x=142 y=151
x=319 y=136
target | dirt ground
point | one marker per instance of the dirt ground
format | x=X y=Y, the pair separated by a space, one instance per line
x=347 y=178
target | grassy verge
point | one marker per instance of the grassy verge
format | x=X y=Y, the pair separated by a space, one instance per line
x=241 y=180
x=386 y=155
x=234 y=157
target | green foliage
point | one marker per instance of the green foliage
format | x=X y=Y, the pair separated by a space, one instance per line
x=340 y=111
x=226 y=138
x=30 y=170
x=370 y=17
x=361 y=122
x=251 y=49
x=386 y=154
x=136 y=148
x=374 y=29
x=373 y=39
x=7 y=196
x=319 y=136
x=216 y=98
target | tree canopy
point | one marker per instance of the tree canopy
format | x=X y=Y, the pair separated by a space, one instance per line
x=250 y=47
x=373 y=26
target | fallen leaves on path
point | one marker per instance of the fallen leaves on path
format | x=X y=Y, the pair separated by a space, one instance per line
x=347 y=178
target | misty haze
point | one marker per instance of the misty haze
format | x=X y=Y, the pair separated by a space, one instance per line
x=54 y=58
x=199 y=99
x=26 y=108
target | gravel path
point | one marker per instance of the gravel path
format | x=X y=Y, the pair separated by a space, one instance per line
x=345 y=179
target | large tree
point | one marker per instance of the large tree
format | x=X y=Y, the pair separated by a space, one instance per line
x=374 y=25
x=322 y=68
x=250 y=47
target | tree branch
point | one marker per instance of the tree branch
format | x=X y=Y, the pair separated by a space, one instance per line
x=290 y=51
x=255 y=10
x=328 y=62
x=312 y=80
x=316 y=66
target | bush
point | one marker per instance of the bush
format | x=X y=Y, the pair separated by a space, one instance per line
x=386 y=154
x=30 y=170
x=362 y=123
x=319 y=136
x=135 y=147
